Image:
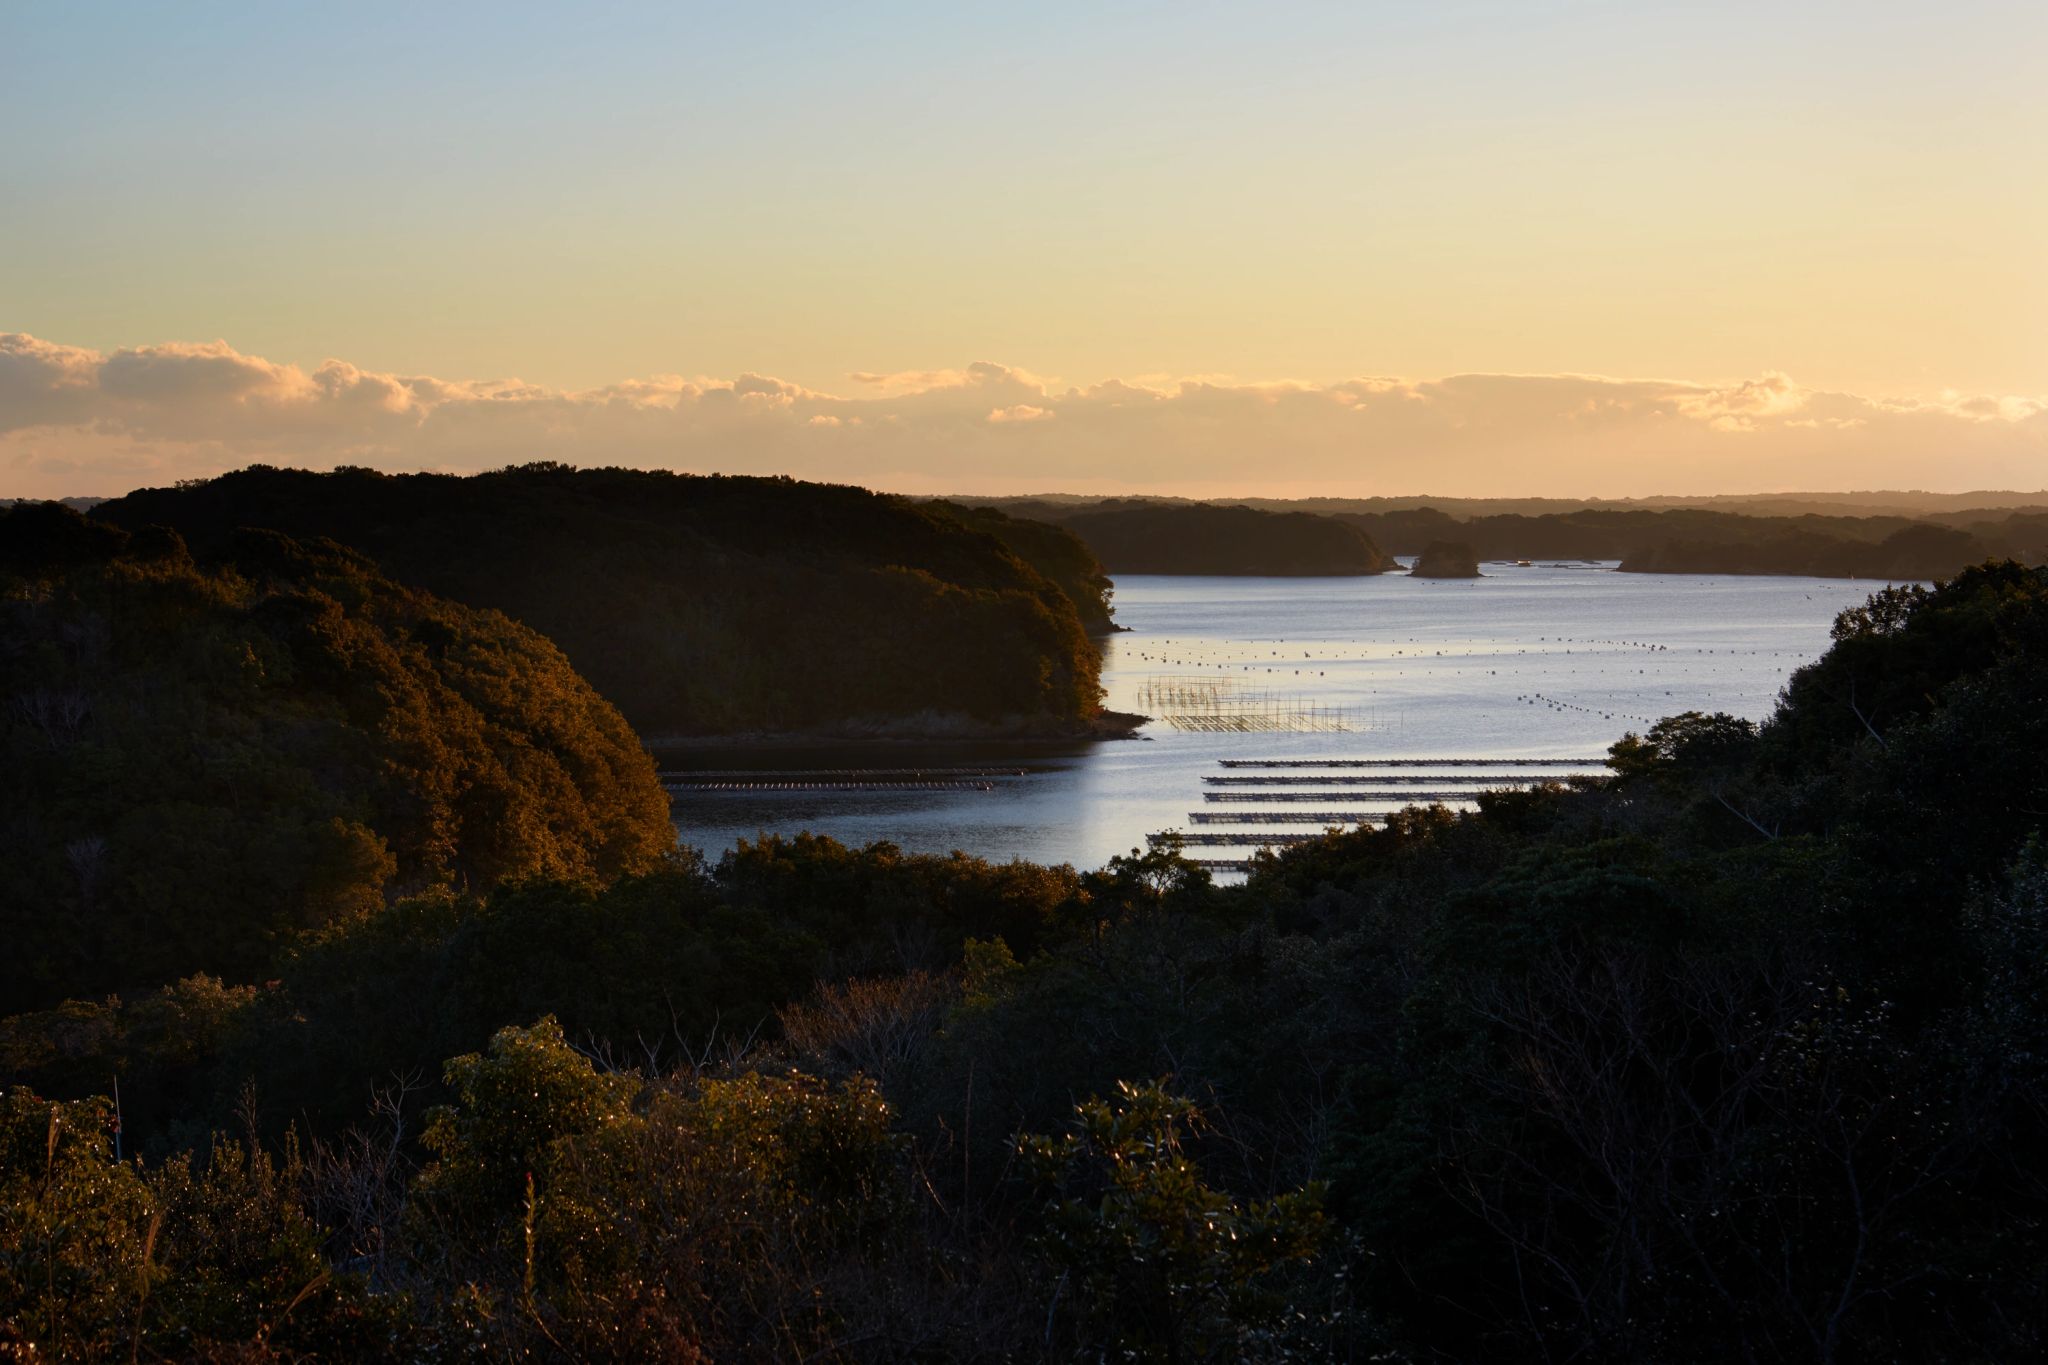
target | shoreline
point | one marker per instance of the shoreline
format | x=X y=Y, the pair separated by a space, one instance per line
x=910 y=731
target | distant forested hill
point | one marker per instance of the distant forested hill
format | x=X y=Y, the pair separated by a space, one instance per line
x=706 y=605
x=201 y=759
x=1827 y=536
x=1687 y=540
x=75 y=504
x=1203 y=538
x=1890 y=503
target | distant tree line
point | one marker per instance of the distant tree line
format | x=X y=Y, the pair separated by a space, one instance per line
x=1166 y=536
x=1694 y=541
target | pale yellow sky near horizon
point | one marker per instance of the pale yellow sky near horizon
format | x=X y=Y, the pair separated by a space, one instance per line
x=1576 y=246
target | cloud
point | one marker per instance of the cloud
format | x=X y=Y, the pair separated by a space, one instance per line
x=44 y=383
x=908 y=381
x=74 y=420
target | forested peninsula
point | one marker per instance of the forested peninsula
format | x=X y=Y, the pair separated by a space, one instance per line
x=1735 y=1053
x=717 y=605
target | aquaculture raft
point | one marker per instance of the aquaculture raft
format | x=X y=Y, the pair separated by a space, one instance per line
x=839 y=779
x=1345 y=796
x=1226 y=705
x=1595 y=763
x=1391 y=779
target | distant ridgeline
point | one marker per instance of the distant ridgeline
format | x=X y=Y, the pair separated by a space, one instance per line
x=1760 y=537
x=1137 y=536
x=713 y=605
x=202 y=759
x=1687 y=540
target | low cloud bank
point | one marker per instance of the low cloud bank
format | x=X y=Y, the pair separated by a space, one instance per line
x=78 y=421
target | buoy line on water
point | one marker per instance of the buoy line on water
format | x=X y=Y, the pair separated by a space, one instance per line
x=1600 y=762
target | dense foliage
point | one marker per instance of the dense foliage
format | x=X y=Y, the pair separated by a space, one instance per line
x=202 y=760
x=705 y=605
x=1764 y=539
x=1054 y=551
x=1736 y=1053
x=1135 y=536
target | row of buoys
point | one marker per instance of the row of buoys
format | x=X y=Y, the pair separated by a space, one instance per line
x=1413 y=762
x=1465 y=795
x=1468 y=647
x=1319 y=818
x=749 y=788
x=866 y=774
x=1240 y=840
x=1286 y=817
x=1388 y=779
x=1552 y=703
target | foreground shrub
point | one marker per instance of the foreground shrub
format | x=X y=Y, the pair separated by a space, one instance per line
x=101 y=1259
x=1161 y=1265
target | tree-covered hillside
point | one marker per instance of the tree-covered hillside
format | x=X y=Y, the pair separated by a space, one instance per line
x=701 y=605
x=203 y=759
x=1054 y=551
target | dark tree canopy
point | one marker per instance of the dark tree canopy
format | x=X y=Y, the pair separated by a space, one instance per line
x=201 y=758
x=1054 y=551
x=705 y=605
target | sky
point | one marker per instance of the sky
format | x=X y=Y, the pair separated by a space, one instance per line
x=1465 y=248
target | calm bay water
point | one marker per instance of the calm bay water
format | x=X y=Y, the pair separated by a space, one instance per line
x=1547 y=662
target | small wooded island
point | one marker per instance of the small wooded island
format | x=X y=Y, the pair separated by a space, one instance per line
x=1446 y=559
